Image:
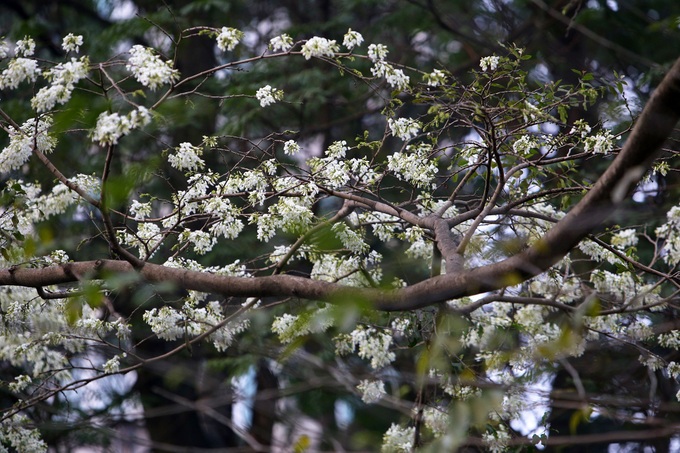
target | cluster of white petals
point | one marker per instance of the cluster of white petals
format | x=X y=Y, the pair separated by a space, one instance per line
x=268 y=95
x=149 y=69
x=228 y=38
x=112 y=126
x=21 y=143
x=63 y=78
x=319 y=47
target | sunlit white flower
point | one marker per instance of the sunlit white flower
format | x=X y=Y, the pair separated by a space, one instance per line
x=72 y=43
x=524 y=145
x=337 y=149
x=319 y=47
x=414 y=166
x=490 y=63
x=113 y=364
x=4 y=49
x=140 y=210
x=268 y=95
x=394 y=77
x=352 y=39
x=228 y=38
x=497 y=440
x=148 y=68
x=282 y=42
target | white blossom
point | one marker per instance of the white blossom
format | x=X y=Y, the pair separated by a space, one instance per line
x=601 y=143
x=398 y=439
x=377 y=52
x=140 y=210
x=63 y=76
x=524 y=145
x=228 y=38
x=394 y=77
x=435 y=78
x=352 y=39
x=350 y=239
x=490 y=63
x=404 y=128
x=497 y=440
x=72 y=43
x=149 y=69
x=414 y=166
x=624 y=239
x=319 y=47
x=112 y=126
x=187 y=157
x=291 y=147
x=113 y=364
x=371 y=391
x=282 y=42
x=436 y=419
x=18 y=70
x=268 y=95
x=4 y=49
x=25 y=47
x=21 y=143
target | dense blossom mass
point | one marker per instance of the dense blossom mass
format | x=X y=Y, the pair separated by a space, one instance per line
x=446 y=177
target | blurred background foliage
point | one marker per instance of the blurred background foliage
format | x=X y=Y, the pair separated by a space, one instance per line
x=636 y=39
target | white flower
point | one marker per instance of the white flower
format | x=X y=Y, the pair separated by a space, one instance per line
x=291 y=147
x=64 y=76
x=111 y=127
x=497 y=440
x=21 y=143
x=489 y=63
x=398 y=439
x=228 y=38
x=187 y=157
x=377 y=52
x=4 y=49
x=394 y=77
x=436 y=419
x=20 y=383
x=414 y=166
x=282 y=42
x=113 y=364
x=268 y=95
x=524 y=145
x=352 y=39
x=435 y=78
x=25 y=47
x=149 y=69
x=371 y=391
x=72 y=43
x=404 y=128
x=624 y=239
x=601 y=143
x=203 y=242
x=319 y=47
x=373 y=345
x=350 y=239
x=337 y=150
x=140 y=210
x=18 y=70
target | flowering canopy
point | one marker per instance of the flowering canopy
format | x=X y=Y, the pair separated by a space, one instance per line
x=475 y=185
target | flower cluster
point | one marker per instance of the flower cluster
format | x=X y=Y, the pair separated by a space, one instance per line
x=268 y=95
x=489 y=63
x=282 y=42
x=414 y=166
x=21 y=143
x=600 y=143
x=320 y=48
x=352 y=39
x=372 y=345
x=371 y=391
x=112 y=126
x=435 y=78
x=18 y=70
x=63 y=76
x=72 y=43
x=398 y=439
x=404 y=128
x=187 y=157
x=228 y=38
x=149 y=69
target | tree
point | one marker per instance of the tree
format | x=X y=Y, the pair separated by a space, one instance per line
x=369 y=247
